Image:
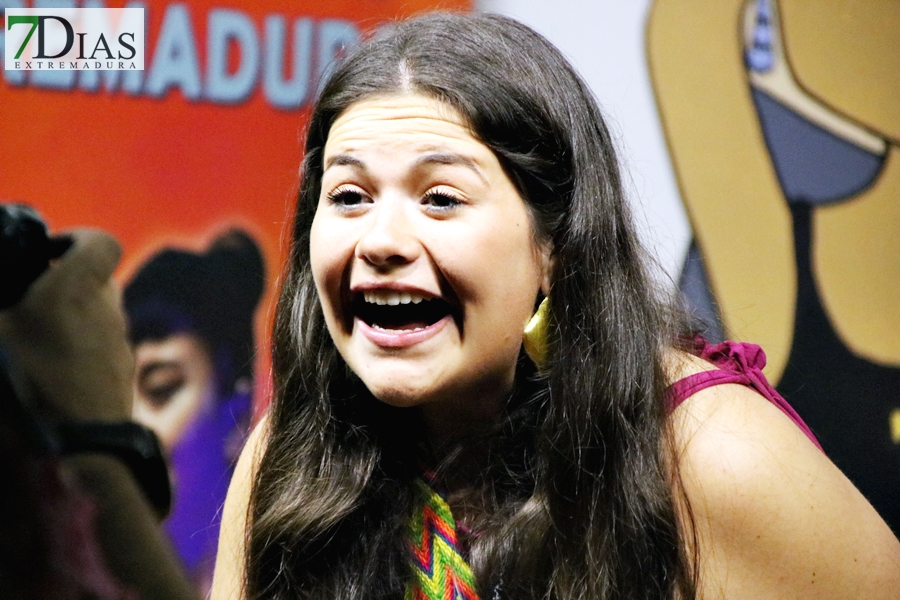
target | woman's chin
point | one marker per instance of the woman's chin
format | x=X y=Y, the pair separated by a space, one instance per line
x=400 y=397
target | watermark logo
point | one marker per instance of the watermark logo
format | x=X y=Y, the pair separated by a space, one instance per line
x=74 y=39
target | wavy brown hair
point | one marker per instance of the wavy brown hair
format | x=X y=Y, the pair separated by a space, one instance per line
x=577 y=500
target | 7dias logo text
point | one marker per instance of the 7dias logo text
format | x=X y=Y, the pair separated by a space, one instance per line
x=74 y=39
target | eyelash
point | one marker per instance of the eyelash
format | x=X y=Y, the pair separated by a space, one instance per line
x=341 y=195
x=437 y=200
x=441 y=200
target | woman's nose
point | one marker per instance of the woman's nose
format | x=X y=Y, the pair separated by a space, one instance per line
x=390 y=239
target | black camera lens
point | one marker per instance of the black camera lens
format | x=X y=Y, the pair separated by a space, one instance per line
x=25 y=250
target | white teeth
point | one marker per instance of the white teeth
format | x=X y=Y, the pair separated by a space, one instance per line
x=392 y=298
x=380 y=328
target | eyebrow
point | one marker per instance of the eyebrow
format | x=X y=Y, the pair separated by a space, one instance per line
x=344 y=160
x=433 y=158
x=449 y=158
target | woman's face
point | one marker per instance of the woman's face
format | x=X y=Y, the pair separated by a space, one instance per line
x=424 y=256
x=174 y=380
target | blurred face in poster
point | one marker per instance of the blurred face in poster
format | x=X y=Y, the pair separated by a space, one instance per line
x=191 y=319
x=174 y=381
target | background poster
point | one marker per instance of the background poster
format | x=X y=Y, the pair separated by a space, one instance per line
x=208 y=136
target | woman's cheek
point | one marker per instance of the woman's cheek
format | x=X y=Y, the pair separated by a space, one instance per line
x=331 y=256
x=320 y=240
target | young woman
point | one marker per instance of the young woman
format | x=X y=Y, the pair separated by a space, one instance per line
x=458 y=176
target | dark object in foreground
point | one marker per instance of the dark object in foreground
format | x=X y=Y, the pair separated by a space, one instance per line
x=25 y=250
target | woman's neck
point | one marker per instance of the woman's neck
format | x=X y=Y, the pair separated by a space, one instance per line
x=462 y=463
x=449 y=421
x=468 y=407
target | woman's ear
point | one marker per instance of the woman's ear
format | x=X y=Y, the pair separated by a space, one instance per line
x=548 y=264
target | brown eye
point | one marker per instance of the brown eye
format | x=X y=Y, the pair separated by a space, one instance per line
x=159 y=384
x=441 y=200
x=346 y=197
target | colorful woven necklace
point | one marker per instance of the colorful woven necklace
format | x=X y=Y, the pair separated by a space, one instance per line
x=439 y=570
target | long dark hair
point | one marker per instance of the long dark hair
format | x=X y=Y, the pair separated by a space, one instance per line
x=580 y=493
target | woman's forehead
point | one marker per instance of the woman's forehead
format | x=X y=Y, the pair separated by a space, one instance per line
x=409 y=121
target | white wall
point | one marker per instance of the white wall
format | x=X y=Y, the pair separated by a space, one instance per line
x=604 y=39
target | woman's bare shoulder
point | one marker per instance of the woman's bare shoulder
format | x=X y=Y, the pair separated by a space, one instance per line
x=774 y=517
x=229 y=573
x=680 y=364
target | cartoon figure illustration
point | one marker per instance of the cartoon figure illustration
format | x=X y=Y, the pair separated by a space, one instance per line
x=783 y=122
x=191 y=326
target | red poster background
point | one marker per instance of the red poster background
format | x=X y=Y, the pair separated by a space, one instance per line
x=171 y=171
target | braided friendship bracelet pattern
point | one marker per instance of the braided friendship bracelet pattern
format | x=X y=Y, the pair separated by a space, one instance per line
x=439 y=570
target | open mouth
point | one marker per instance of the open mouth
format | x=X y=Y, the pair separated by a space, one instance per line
x=389 y=310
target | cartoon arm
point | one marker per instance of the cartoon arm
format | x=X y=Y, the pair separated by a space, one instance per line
x=848 y=57
x=740 y=219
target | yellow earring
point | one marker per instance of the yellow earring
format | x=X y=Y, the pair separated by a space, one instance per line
x=535 y=336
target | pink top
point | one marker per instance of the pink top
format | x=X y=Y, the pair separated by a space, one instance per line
x=737 y=363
